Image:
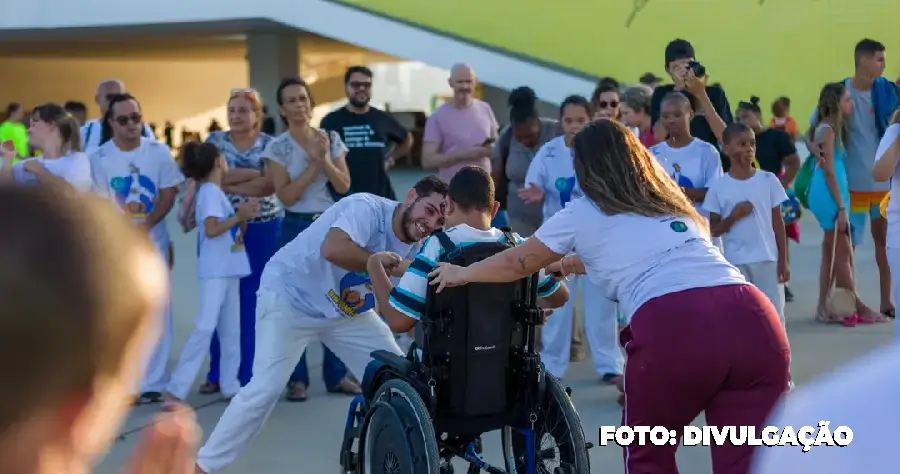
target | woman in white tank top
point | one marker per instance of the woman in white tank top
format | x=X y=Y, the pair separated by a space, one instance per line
x=700 y=338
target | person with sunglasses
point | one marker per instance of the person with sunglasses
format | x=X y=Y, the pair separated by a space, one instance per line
x=605 y=99
x=92 y=131
x=140 y=175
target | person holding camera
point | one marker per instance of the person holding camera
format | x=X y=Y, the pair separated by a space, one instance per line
x=710 y=105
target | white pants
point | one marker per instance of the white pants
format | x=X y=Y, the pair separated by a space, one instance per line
x=220 y=308
x=893 y=258
x=600 y=327
x=282 y=334
x=764 y=275
x=157 y=371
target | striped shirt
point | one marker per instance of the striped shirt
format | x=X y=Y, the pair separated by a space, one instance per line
x=408 y=297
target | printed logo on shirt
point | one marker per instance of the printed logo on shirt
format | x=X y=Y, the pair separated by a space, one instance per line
x=565 y=186
x=135 y=193
x=361 y=136
x=355 y=297
x=237 y=237
x=682 y=180
x=679 y=226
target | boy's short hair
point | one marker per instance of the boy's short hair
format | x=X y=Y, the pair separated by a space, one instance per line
x=430 y=185
x=73 y=296
x=472 y=189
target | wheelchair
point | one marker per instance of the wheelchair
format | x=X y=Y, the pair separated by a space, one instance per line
x=419 y=412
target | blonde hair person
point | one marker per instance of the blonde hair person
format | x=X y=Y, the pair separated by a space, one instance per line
x=683 y=300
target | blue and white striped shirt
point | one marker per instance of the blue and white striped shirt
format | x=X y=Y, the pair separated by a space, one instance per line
x=408 y=296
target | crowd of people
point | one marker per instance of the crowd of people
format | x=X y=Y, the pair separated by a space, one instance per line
x=303 y=239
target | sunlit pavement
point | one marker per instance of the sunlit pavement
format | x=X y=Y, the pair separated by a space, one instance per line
x=305 y=438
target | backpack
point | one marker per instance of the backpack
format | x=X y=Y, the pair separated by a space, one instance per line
x=478 y=342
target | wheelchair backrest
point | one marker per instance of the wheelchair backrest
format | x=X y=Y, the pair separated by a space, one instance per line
x=474 y=334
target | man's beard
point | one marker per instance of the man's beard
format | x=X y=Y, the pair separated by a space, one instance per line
x=359 y=103
x=405 y=221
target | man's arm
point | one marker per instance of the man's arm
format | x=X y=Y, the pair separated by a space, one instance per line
x=345 y=243
x=164 y=203
x=170 y=178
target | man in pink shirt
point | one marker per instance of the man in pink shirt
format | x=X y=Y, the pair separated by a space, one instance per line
x=460 y=132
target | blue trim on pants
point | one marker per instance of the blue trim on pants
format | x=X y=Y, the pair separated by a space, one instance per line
x=260 y=241
x=333 y=370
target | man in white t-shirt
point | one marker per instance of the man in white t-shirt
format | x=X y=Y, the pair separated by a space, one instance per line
x=140 y=175
x=316 y=288
x=860 y=396
x=92 y=130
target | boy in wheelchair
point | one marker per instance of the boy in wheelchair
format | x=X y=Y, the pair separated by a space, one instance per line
x=477 y=369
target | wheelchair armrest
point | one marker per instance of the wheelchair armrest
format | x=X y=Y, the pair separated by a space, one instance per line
x=400 y=364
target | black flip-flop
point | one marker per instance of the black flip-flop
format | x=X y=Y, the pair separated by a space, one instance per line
x=889 y=313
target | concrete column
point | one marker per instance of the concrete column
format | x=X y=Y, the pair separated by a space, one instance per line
x=270 y=58
x=498 y=99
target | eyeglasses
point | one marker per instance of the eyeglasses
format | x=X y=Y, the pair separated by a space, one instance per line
x=360 y=85
x=124 y=120
x=604 y=104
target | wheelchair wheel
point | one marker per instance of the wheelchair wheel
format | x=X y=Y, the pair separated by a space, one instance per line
x=399 y=437
x=559 y=443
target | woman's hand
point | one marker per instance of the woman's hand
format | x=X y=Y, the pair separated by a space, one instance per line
x=533 y=194
x=34 y=167
x=9 y=153
x=843 y=221
x=321 y=146
x=446 y=275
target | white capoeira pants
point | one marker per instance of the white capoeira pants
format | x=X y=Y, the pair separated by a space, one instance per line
x=601 y=328
x=893 y=258
x=157 y=372
x=220 y=309
x=282 y=334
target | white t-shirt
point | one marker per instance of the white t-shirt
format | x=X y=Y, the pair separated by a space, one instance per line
x=632 y=258
x=861 y=396
x=693 y=166
x=223 y=256
x=552 y=169
x=133 y=179
x=92 y=131
x=316 y=286
x=893 y=207
x=285 y=151
x=751 y=239
x=74 y=167
x=408 y=296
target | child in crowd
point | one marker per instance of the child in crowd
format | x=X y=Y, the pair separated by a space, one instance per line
x=828 y=198
x=781 y=118
x=886 y=169
x=744 y=207
x=63 y=269
x=471 y=208
x=691 y=162
x=221 y=263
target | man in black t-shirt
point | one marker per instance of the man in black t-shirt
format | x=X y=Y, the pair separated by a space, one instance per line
x=374 y=138
x=711 y=110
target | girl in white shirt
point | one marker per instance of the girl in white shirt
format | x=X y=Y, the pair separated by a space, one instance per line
x=691 y=162
x=221 y=263
x=55 y=133
x=700 y=338
x=551 y=181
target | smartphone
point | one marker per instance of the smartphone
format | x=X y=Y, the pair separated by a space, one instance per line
x=489 y=141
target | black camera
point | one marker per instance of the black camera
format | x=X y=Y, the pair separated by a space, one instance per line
x=699 y=69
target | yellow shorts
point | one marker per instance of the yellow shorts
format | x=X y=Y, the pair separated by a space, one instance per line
x=884 y=204
x=868 y=202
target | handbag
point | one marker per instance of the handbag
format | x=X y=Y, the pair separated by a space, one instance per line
x=803 y=179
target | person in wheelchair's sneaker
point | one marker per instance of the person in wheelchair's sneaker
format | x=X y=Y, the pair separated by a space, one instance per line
x=470 y=209
x=700 y=338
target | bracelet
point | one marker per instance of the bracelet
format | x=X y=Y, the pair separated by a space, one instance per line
x=562 y=266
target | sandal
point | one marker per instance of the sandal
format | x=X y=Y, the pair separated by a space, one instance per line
x=296 y=392
x=611 y=379
x=850 y=321
x=867 y=315
x=889 y=313
x=209 y=388
x=822 y=315
x=347 y=387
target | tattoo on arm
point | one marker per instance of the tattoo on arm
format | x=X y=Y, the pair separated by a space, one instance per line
x=523 y=260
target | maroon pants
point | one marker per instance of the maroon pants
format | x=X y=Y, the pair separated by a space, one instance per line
x=722 y=350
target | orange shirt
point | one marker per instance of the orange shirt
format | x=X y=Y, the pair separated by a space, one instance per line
x=788 y=124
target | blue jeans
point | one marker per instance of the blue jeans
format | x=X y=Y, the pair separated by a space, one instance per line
x=333 y=370
x=261 y=241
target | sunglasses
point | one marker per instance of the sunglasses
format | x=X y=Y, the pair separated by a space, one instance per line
x=124 y=120
x=360 y=85
x=604 y=104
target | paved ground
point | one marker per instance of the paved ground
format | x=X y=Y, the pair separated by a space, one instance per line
x=305 y=438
